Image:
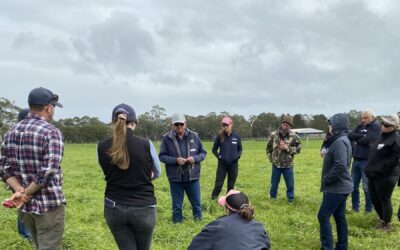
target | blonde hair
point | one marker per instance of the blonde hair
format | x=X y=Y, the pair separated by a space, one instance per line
x=119 y=148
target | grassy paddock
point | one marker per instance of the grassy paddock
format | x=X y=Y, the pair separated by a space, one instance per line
x=290 y=225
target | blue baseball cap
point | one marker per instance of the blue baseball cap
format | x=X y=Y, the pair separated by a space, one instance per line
x=43 y=97
x=124 y=109
x=22 y=114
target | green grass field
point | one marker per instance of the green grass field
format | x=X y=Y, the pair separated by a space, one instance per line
x=289 y=225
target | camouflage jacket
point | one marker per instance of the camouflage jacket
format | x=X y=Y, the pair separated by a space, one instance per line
x=283 y=158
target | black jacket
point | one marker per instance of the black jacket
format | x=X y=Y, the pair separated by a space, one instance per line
x=362 y=136
x=384 y=156
x=230 y=150
x=231 y=232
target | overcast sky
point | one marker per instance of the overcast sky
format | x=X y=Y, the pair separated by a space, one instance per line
x=196 y=57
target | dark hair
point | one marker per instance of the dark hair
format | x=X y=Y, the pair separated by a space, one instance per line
x=247 y=212
x=36 y=108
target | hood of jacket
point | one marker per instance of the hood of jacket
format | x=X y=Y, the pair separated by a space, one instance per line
x=339 y=123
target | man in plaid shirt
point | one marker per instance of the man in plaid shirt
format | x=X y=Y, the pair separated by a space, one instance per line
x=31 y=164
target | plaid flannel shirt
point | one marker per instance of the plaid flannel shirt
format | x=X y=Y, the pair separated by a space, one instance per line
x=32 y=152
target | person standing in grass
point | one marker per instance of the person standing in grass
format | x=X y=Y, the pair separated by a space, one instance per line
x=336 y=184
x=129 y=164
x=230 y=149
x=362 y=136
x=31 y=164
x=383 y=169
x=282 y=145
x=237 y=230
x=182 y=151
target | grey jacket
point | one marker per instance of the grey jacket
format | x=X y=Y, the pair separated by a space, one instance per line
x=335 y=170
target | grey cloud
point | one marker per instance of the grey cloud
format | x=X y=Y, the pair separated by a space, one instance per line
x=118 y=44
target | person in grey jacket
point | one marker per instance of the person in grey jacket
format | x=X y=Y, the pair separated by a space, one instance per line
x=336 y=183
x=237 y=230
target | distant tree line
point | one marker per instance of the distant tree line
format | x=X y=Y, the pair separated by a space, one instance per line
x=155 y=123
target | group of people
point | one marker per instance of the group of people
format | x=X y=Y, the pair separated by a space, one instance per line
x=33 y=149
x=376 y=153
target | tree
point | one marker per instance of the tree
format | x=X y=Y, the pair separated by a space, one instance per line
x=299 y=121
x=319 y=122
x=354 y=118
x=8 y=115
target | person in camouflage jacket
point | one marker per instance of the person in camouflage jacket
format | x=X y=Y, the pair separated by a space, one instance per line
x=282 y=145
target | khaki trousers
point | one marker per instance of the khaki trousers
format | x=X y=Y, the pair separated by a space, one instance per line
x=47 y=229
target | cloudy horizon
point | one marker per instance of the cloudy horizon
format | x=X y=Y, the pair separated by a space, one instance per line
x=196 y=57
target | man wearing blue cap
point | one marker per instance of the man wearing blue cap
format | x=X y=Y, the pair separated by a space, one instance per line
x=31 y=164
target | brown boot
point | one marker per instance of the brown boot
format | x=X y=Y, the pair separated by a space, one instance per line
x=386 y=226
x=380 y=224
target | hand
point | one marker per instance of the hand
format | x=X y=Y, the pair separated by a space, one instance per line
x=20 y=198
x=283 y=145
x=151 y=174
x=190 y=159
x=181 y=161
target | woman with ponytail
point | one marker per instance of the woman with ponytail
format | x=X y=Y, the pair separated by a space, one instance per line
x=237 y=230
x=129 y=164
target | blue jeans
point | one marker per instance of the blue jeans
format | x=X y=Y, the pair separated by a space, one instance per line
x=333 y=204
x=288 y=175
x=132 y=227
x=192 y=190
x=23 y=230
x=358 y=174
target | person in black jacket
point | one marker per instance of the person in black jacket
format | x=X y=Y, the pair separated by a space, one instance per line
x=362 y=136
x=238 y=230
x=129 y=164
x=383 y=169
x=230 y=149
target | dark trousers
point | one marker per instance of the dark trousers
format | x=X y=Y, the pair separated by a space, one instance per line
x=288 y=176
x=192 y=190
x=358 y=175
x=333 y=204
x=222 y=170
x=132 y=227
x=381 y=191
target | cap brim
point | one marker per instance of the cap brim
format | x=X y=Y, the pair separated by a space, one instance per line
x=58 y=104
x=178 y=122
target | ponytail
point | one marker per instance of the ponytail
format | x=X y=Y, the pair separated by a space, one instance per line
x=119 y=149
x=247 y=212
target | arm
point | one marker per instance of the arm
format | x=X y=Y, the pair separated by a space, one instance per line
x=164 y=154
x=156 y=162
x=372 y=135
x=201 y=153
x=270 y=143
x=393 y=159
x=52 y=158
x=354 y=135
x=295 y=146
x=240 y=149
x=215 y=147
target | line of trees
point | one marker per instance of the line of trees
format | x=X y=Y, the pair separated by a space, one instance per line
x=155 y=123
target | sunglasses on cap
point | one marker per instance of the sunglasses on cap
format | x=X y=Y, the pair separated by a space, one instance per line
x=179 y=124
x=386 y=125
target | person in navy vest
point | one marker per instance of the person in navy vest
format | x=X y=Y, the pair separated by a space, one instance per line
x=182 y=151
x=129 y=164
x=228 y=149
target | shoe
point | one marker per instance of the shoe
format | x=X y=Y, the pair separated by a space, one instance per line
x=386 y=226
x=290 y=200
